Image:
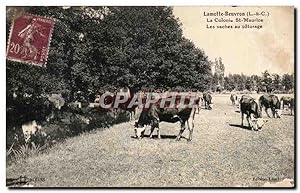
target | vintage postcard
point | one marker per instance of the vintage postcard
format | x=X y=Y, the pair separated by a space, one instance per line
x=152 y=97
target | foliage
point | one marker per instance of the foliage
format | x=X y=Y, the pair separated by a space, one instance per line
x=23 y=152
x=218 y=79
x=265 y=83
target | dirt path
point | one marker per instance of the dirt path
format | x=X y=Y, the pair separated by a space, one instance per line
x=221 y=154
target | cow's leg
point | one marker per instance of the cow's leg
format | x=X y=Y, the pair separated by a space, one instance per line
x=249 y=122
x=143 y=133
x=151 y=131
x=197 y=108
x=158 y=133
x=266 y=110
x=154 y=124
x=242 y=119
x=191 y=128
x=131 y=115
x=181 y=131
x=273 y=112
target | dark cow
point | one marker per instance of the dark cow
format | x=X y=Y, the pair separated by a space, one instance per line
x=234 y=99
x=289 y=101
x=270 y=101
x=155 y=114
x=207 y=100
x=252 y=110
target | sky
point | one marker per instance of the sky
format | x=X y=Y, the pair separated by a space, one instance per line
x=247 y=51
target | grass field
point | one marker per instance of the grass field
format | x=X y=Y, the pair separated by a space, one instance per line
x=222 y=154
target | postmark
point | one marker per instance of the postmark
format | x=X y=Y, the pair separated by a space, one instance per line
x=30 y=38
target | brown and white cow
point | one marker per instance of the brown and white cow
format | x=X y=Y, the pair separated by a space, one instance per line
x=207 y=100
x=252 y=110
x=267 y=101
x=289 y=101
x=155 y=114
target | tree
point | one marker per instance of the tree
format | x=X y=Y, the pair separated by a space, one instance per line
x=144 y=47
x=229 y=83
x=267 y=82
x=276 y=82
x=257 y=83
x=249 y=83
x=287 y=82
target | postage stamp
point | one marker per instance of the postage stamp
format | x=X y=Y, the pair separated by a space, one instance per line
x=29 y=39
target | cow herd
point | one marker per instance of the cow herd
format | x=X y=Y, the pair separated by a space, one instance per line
x=249 y=107
x=184 y=110
x=253 y=109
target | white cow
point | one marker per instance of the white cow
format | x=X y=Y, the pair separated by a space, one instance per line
x=29 y=129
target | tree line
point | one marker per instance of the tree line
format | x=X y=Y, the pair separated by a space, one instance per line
x=266 y=82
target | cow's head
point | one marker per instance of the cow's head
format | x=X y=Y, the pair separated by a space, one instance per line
x=139 y=130
x=258 y=123
x=278 y=112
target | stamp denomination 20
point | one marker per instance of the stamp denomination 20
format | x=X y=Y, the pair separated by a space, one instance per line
x=29 y=39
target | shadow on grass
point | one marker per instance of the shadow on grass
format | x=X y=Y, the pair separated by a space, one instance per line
x=287 y=114
x=162 y=137
x=207 y=109
x=240 y=126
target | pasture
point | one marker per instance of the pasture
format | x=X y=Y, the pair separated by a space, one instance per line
x=221 y=154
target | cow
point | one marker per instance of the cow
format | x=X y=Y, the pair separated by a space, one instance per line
x=30 y=128
x=155 y=114
x=289 y=101
x=252 y=110
x=270 y=101
x=234 y=99
x=207 y=100
x=198 y=101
